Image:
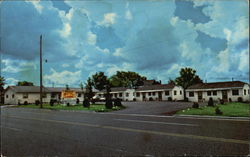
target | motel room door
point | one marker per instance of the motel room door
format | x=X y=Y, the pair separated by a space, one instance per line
x=160 y=96
x=200 y=96
x=224 y=95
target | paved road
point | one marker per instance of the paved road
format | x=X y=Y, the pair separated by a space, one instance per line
x=63 y=133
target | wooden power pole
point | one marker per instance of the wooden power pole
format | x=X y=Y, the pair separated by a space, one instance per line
x=41 y=74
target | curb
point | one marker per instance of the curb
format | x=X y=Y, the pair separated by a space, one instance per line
x=214 y=117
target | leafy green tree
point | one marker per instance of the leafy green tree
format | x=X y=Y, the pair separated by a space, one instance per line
x=25 y=83
x=89 y=89
x=187 y=78
x=126 y=79
x=2 y=83
x=99 y=80
x=170 y=81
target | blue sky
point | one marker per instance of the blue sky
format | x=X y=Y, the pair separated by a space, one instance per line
x=153 y=38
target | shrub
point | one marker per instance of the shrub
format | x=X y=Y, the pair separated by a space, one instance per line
x=68 y=104
x=117 y=102
x=52 y=102
x=37 y=102
x=25 y=103
x=240 y=99
x=221 y=101
x=109 y=104
x=150 y=99
x=134 y=99
x=169 y=99
x=77 y=101
x=86 y=103
x=218 y=111
x=210 y=102
x=195 y=105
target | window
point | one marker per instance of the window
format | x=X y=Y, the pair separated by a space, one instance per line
x=191 y=94
x=25 y=95
x=214 y=92
x=53 y=95
x=166 y=92
x=44 y=95
x=235 y=92
x=180 y=92
x=79 y=95
x=245 y=92
x=153 y=93
x=120 y=94
x=7 y=96
x=209 y=93
x=175 y=92
x=149 y=94
x=13 y=95
x=127 y=94
x=137 y=94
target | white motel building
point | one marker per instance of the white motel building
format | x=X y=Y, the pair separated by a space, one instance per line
x=228 y=91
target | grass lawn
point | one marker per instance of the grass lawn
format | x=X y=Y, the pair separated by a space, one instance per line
x=93 y=107
x=233 y=109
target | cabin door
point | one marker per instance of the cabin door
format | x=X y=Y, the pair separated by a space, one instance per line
x=224 y=95
x=160 y=95
x=200 y=97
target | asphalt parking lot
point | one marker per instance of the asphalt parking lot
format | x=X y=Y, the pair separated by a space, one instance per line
x=155 y=107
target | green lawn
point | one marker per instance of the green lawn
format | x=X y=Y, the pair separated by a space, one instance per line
x=233 y=109
x=93 y=107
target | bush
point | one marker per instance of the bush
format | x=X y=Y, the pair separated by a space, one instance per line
x=117 y=102
x=221 y=101
x=218 y=111
x=134 y=99
x=169 y=99
x=150 y=99
x=240 y=99
x=68 y=104
x=37 y=102
x=86 y=103
x=77 y=101
x=210 y=102
x=52 y=102
x=109 y=104
x=25 y=103
x=195 y=105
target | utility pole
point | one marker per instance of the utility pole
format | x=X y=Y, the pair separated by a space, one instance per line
x=41 y=74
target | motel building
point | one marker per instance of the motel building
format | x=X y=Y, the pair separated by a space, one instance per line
x=30 y=94
x=227 y=91
x=157 y=92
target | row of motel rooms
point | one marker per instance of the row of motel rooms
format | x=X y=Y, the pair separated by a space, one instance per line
x=228 y=91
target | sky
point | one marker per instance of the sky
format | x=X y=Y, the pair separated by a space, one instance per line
x=153 y=38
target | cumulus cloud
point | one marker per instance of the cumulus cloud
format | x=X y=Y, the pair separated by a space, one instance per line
x=108 y=19
x=128 y=15
x=91 y=38
x=62 y=78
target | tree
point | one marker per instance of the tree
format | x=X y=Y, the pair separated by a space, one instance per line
x=172 y=82
x=187 y=78
x=25 y=83
x=2 y=83
x=126 y=79
x=89 y=89
x=99 y=80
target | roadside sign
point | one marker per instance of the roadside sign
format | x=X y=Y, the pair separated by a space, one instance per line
x=68 y=94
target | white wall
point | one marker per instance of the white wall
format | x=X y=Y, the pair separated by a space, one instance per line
x=8 y=99
x=179 y=93
x=246 y=96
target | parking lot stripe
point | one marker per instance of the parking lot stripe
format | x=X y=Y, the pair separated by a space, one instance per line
x=139 y=130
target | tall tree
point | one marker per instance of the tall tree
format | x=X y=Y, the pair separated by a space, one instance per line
x=170 y=81
x=99 y=81
x=187 y=78
x=126 y=79
x=2 y=83
x=25 y=83
x=89 y=89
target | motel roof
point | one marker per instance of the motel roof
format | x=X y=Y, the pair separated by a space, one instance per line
x=156 y=87
x=36 y=89
x=214 y=85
